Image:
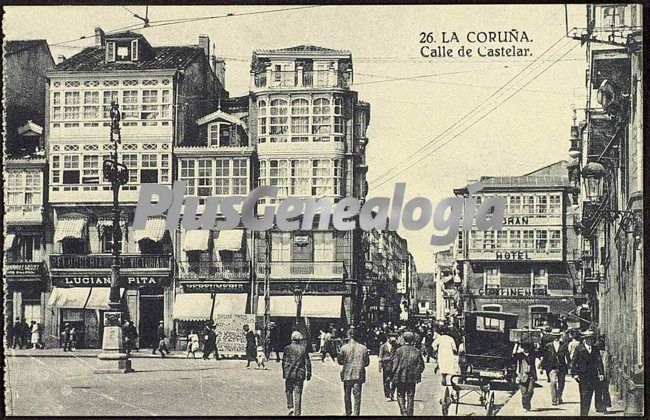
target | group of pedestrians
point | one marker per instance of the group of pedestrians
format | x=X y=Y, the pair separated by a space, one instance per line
x=23 y=335
x=572 y=353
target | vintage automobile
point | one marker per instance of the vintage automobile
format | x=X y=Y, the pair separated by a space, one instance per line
x=485 y=355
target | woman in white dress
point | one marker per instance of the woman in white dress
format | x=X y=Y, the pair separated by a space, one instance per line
x=35 y=334
x=445 y=347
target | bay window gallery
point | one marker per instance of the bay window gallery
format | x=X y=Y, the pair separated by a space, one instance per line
x=300 y=119
x=303 y=177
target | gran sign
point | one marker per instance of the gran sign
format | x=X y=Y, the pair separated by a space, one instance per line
x=105 y=281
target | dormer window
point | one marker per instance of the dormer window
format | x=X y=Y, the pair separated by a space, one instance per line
x=110 y=51
x=219 y=134
x=122 y=50
x=134 y=50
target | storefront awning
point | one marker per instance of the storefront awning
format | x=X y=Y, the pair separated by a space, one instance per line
x=154 y=229
x=9 y=241
x=230 y=240
x=196 y=240
x=312 y=306
x=72 y=227
x=197 y=306
x=80 y=298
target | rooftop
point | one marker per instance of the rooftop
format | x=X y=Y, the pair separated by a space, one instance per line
x=15 y=46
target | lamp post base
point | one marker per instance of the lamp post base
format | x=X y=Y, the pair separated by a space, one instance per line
x=112 y=347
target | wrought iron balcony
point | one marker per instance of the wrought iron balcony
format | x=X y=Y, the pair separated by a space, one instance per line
x=104 y=261
x=214 y=270
x=304 y=270
x=299 y=79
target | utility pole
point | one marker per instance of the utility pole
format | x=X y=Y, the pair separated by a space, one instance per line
x=267 y=286
x=118 y=175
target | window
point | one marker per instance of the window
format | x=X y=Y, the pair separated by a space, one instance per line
x=541 y=237
x=338 y=177
x=239 y=176
x=56 y=169
x=131 y=162
x=540 y=280
x=106 y=239
x=109 y=95
x=261 y=119
x=281 y=246
x=339 y=127
x=33 y=311
x=488 y=239
x=222 y=177
x=542 y=203
x=71 y=110
x=110 y=51
x=484 y=323
x=555 y=206
x=134 y=50
x=502 y=239
x=278 y=174
x=299 y=119
x=24 y=188
x=204 y=177
x=492 y=278
x=555 y=240
x=515 y=239
x=90 y=169
x=528 y=241
x=321 y=120
x=71 y=169
x=538 y=315
x=476 y=241
x=187 y=175
x=529 y=205
x=613 y=16
x=149 y=109
x=278 y=125
x=323 y=246
x=321 y=181
x=514 y=205
x=129 y=104
x=149 y=171
x=219 y=134
x=91 y=105
x=300 y=179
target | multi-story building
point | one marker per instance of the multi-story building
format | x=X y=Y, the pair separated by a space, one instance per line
x=161 y=92
x=310 y=133
x=426 y=294
x=25 y=64
x=446 y=284
x=530 y=267
x=607 y=166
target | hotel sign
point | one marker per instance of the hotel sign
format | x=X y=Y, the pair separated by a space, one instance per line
x=105 y=281
x=511 y=255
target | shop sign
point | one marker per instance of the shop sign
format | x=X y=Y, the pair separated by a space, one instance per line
x=105 y=281
x=215 y=287
x=301 y=240
x=512 y=291
x=283 y=288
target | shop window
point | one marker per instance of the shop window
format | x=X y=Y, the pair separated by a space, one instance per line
x=492 y=278
x=538 y=316
x=540 y=280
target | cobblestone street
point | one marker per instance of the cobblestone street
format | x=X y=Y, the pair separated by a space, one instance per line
x=66 y=385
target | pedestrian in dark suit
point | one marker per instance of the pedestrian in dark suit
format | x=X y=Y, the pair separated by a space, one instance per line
x=251 y=346
x=17 y=338
x=354 y=358
x=556 y=364
x=588 y=370
x=525 y=356
x=386 y=352
x=67 y=339
x=160 y=335
x=130 y=336
x=26 y=334
x=296 y=369
x=408 y=366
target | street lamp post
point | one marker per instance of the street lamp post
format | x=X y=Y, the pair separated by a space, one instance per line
x=118 y=175
x=297 y=296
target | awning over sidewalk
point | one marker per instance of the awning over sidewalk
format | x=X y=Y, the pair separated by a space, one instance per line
x=9 y=241
x=312 y=306
x=197 y=306
x=80 y=298
x=70 y=227
x=230 y=240
x=196 y=240
x=154 y=229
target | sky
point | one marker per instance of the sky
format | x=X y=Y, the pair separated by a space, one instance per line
x=452 y=107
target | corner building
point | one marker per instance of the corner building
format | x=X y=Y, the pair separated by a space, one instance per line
x=310 y=132
x=161 y=92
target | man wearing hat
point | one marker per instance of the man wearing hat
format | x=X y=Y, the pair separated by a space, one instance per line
x=386 y=353
x=408 y=366
x=160 y=335
x=555 y=363
x=354 y=358
x=588 y=370
x=296 y=369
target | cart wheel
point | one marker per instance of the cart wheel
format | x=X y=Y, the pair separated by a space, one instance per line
x=489 y=406
x=445 y=402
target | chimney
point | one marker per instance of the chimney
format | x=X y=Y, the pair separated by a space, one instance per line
x=99 y=37
x=60 y=58
x=204 y=42
x=219 y=69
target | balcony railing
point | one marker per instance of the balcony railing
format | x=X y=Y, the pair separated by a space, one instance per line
x=104 y=261
x=214 y=270
x=304 y=270
x=24 y=268
x=299 y=78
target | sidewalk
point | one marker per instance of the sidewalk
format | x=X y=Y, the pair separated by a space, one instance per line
x=541 y=404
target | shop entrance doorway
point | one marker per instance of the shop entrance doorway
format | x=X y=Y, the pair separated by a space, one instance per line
x=151 y=313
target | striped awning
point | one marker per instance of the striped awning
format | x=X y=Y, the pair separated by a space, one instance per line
x=154 y=229
x=230 y=240
x=312 y=306
x=70 y=227
x=196 y=240
x=9 y=241
x=197 y=306
x=81 y=297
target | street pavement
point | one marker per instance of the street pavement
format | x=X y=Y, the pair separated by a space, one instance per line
x=67 y=384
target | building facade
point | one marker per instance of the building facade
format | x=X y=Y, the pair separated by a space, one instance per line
x=531 y=266
x=24 y=179
x=309 y=131
x=607 y=166
x=161 y=93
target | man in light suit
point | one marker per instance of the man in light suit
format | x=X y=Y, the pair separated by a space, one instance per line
x=354 y=358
